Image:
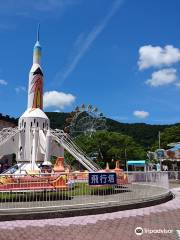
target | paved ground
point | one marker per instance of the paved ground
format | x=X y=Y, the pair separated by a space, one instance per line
x=111 y=226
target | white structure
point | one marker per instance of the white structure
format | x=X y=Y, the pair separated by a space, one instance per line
x=33 y=141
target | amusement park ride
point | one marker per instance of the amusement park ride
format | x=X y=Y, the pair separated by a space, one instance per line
x=85 y=120
x=34 y=142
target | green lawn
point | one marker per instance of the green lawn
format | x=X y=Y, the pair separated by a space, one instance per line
x=80 y=189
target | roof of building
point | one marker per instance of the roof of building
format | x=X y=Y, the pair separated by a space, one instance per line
x=136 y=162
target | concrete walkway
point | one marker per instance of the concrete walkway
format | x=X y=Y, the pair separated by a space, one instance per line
x=164 y=218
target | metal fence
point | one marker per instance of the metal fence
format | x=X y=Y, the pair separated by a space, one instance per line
x=174 y=175
x=72 y=191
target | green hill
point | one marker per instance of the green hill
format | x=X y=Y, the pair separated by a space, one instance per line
x=57 y=119
x=144 y=134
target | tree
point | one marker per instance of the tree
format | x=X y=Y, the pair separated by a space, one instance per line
x=169 y=135
x=111 y=145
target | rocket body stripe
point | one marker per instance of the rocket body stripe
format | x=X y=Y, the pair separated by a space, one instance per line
x=35 y=89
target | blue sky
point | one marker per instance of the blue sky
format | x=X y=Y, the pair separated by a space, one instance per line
x=121 y=56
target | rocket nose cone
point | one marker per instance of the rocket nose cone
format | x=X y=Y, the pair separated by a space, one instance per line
x=37 y=44
x=37 y=53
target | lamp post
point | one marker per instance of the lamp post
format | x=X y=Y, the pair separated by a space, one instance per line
x=125 y=154
x=159 y=138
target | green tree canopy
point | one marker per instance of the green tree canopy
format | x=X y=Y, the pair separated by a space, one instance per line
x=169 y=135
x=111 y=145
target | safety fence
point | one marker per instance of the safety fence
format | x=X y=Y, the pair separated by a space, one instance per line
x=173 y=175
x=72 y=190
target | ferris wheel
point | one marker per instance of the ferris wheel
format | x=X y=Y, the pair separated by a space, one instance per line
x=85 y=120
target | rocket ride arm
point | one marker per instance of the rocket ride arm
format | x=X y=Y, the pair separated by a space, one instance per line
x=76 y=152
x=49 y=146
x=9 y=145
x=56 y=149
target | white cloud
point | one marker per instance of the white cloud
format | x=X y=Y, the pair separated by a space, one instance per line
x=3 y=82
x=141 y=114
x=58 y=99
x=157 y=56
x=84 y=43
x=162 y=77
x=20 y=88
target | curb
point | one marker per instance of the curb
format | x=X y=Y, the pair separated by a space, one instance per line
x=47 y=213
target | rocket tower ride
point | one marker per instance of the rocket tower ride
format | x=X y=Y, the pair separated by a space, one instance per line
x=33 y=141
x=34 y=124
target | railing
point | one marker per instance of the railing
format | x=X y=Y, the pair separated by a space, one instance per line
x=152 y=178
x=69 y=191
x=173 y=175
x=7 y=133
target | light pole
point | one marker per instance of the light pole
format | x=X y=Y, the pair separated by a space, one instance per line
x=125 y=154
x=159 y=137
x=160 y=160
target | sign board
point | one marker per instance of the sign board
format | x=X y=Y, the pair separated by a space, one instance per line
x=102 y=178
x=160 y=153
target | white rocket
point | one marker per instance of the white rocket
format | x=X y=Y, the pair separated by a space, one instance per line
x=34 y=143
x=35 y=140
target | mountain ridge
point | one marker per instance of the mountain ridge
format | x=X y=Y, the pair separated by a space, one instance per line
x=143 y=133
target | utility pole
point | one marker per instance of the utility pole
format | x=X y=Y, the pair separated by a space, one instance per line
x=125 y=154
x=159 y=136
x=160 y=160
